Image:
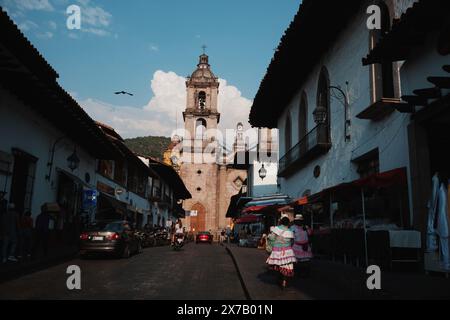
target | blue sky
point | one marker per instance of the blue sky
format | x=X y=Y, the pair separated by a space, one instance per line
x=123 y=43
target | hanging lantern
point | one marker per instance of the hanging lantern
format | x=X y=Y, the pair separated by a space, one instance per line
x=262 y=172
x=73 y=161
x=320 y=115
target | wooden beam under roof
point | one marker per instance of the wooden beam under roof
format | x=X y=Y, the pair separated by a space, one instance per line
x=441 y=82
x=415 y=100
x=428 y=93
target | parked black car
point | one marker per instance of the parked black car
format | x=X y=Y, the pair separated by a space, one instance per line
x=114 y=237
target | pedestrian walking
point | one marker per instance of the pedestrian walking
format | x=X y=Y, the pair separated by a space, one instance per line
x=282 y=257
x=242 y=234
x=10 y=230
x=222 y=237
x=301 y=247
x=26 y=232
x=42 y=231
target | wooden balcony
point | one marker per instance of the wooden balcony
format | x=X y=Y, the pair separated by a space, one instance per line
x=315 y=143
x=380 y=109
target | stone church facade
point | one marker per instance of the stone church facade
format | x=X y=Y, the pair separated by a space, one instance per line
x=207 y=169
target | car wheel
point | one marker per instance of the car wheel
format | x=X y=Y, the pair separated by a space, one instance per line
x=126 y=252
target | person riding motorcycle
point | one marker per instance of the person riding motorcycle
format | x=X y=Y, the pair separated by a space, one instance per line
x=178 y=231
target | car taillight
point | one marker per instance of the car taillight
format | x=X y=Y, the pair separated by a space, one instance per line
x=84 y=236
x=113 y=236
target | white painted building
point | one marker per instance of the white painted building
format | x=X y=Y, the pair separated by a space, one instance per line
x=263 y=167
x=425 y=82
x=321 y=67
x=28 y=142
x=42 y=128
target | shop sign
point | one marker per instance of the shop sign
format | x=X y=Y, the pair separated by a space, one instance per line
x=89 y=198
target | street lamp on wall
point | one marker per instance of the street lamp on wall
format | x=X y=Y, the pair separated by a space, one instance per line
x=320 y=115
x=73 y=161
x=262 y=172
x=346 y=104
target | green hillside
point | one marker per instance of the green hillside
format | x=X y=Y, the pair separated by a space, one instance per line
x=149 y=146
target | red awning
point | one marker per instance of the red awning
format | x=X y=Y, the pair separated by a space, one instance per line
x=300 y=201
x=377 y=180
x=383 y=179
x=253 y=209
x=250 y=218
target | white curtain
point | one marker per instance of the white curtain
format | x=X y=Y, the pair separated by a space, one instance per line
x=432 y=207
x=442 y=225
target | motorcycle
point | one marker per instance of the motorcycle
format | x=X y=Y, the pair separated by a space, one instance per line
x=161 y=237
x=179 y=241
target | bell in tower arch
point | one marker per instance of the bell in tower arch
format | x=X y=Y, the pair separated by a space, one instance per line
x=202 y=100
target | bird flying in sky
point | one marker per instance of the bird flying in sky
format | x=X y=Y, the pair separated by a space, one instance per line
x=123 y=92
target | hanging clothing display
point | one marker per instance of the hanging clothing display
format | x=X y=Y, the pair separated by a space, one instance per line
x=442 y=229
x=432 y=205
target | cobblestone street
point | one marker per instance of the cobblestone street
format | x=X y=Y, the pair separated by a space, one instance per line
x=196 y=272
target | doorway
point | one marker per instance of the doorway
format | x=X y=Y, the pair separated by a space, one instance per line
x=22 y=180
x=198 y=223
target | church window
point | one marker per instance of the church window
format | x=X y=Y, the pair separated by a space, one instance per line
x=202 y=100
x=200 y=128
x=199 y=189
x=199 y=171
x=238 y=182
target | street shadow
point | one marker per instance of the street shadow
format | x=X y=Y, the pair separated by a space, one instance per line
x=306 y=282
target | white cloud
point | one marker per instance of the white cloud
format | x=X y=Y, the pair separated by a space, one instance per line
x=45 y=35
x=27 y=26
x=153 y=47
x=94 y=16
x=168 y=101
x=233 y=107
x=73 y=35
x=52 y=25
x=94 y=20
x=34 y=5
x=96 y=31
x=127 y=121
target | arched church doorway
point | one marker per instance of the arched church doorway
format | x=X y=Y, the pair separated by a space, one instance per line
x=198 y=223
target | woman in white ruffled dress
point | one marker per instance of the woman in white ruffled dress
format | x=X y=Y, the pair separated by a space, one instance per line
x=282 y=257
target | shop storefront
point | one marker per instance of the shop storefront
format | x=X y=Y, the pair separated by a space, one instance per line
x=73 y=215
x=109 y=208
x=365 y=221
x=249 y=229
x=429 y=137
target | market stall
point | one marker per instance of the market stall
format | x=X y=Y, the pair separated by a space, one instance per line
x=376 y=204
x=249 y=229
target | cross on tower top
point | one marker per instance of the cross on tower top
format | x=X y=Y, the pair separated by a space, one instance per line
x=204 y=48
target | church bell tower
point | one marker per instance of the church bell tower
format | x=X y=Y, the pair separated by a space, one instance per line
x=201 y=116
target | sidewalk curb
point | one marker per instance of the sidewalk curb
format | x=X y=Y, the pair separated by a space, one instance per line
x=241 y=279
x=36 y=267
